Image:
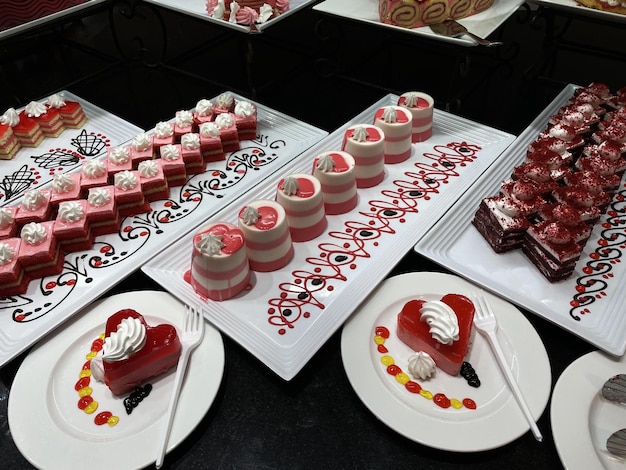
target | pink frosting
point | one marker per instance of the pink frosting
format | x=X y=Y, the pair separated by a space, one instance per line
x=282 y=5
x=210 y=6
x=246 y=15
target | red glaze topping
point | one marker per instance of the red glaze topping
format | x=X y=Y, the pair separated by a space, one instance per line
x=546 y=157
x=267 y=217
x=403 y=116
x=421 y=102
x=232 y=237
x=373 y=134
x=306 y=187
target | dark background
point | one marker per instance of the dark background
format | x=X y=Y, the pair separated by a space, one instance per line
x=144 y=63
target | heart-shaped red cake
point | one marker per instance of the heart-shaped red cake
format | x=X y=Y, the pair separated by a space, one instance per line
x=416 y=334
x=159 y=353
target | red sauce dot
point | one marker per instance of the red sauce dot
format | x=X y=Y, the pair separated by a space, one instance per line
x=97 y=344
x=413 y=387
x=331 y=288
x=283 y=295
x=271 y=310
x=82 y=383
x=382 y=331
x=102 y=418
x=441 y=400
x=353 y=266
x=469 y=403
x=306 y=314
x=50 y=285
x=87 y=365
x=382 y=349
x=281 y=331
x=346 y=245
x=318 y=270
x=84 y=402
x=393 y=369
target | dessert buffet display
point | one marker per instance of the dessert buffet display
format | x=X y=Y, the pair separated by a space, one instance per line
x=457 y=394
x=94 y=226
x=58 y=396
x=557 y=195
x=283 y=316
x=410 y=14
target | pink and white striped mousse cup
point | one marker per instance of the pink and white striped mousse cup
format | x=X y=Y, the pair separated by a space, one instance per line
x=268 y=240
x=366 y=144
x=301 y=197
x=396 y=123
x=335 y=171
x=421 y=107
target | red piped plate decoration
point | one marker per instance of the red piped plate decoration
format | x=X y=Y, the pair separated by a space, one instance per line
x=54 y=398
x=589 y=303
x=287 y=315
x=444 y=412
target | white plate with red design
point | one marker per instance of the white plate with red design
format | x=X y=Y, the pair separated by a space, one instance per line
x=288 y=314
x=582 y=420
x=52 y=432
x=589 y=303
x=478 y=418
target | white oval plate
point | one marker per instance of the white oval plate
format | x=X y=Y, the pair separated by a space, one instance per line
x=53 y=433
x=582 y=420
x=497 y=419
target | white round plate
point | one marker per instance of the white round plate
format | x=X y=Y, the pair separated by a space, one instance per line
x=53 y=433
x=582 y=420
x=496 y=420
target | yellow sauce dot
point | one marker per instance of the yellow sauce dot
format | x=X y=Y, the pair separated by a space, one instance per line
x=426 y=394
x=91 y=407
x=455 y=403
x=84 y=373
x=112 y=421
x=85 y=391
x=102 y=335
x=402 y=378
x=91 y=355
x=387 y=360
x=379 y=340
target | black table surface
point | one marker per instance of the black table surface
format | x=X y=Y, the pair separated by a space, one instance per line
x=315 y=420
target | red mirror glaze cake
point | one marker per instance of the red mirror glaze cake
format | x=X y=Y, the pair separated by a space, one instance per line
x=133 y=351
x=442 y=329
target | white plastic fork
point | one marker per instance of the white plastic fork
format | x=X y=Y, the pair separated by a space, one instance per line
x=190 y=338
x=485 y=321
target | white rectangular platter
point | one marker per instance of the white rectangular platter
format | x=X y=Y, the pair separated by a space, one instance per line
x=589 y=304
x=574 y=7
x=197 y=9
x=86 y=275
x=34 y=167
x=481 y=24
x=288 y=314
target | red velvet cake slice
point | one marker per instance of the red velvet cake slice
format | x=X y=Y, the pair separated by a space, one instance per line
x=71 y=227
x=191 y=152
x=102 y=214
x=128 y=194
x=35 y=207
x=152 y=180
x=94 y=174
x=228 y=131
x=183 y=123
x=141 y=148
x=40 y=253
x=65 y=187
x=210 y=142
x=203 y=112
x=246 y=120
x=442 y=329
x=8 y=226
x=173 y=165
x=134 y=352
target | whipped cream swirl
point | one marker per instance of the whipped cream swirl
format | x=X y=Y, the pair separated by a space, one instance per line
x=360 y=134
x=125 y=180
x=6 y=217
x=210 y=244
x=163 y=130
x=209 y=129
x=94 y=169
x=98 y=197
x=129 y=338
x=290 y=185
x=325 y=163
x=10 y=118
x=119 y=155
x=7 y=253
x=70 y=211
x=250 y=215
x=170 y=152
x=35 y=109
x=421 y=365
x=33 y=233
x=141 y=141
x=33 y=200
x=62 y=183
x=443 y=323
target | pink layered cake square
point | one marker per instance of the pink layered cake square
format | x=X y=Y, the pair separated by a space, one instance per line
x=152 y=180
x=191 y=152
x=203 y=112
x=246 y=120
x=13 y=280
x=102 y=214
x=71 y=227
x=94 y=173
x=173 y=165
x=183 y=123
x=34 y=207
x=40 y=253
x=8 y=226
x=128 y=194
x=163 y=134
x=118 y=159
x=224 y=103
x=225 y=122
x=141 y=148
x=211 y=142
x=65 y=187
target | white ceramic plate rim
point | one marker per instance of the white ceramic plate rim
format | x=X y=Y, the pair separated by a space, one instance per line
x=575 y=410
x=576 y=7
x=487 y=432
x=43 y=442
